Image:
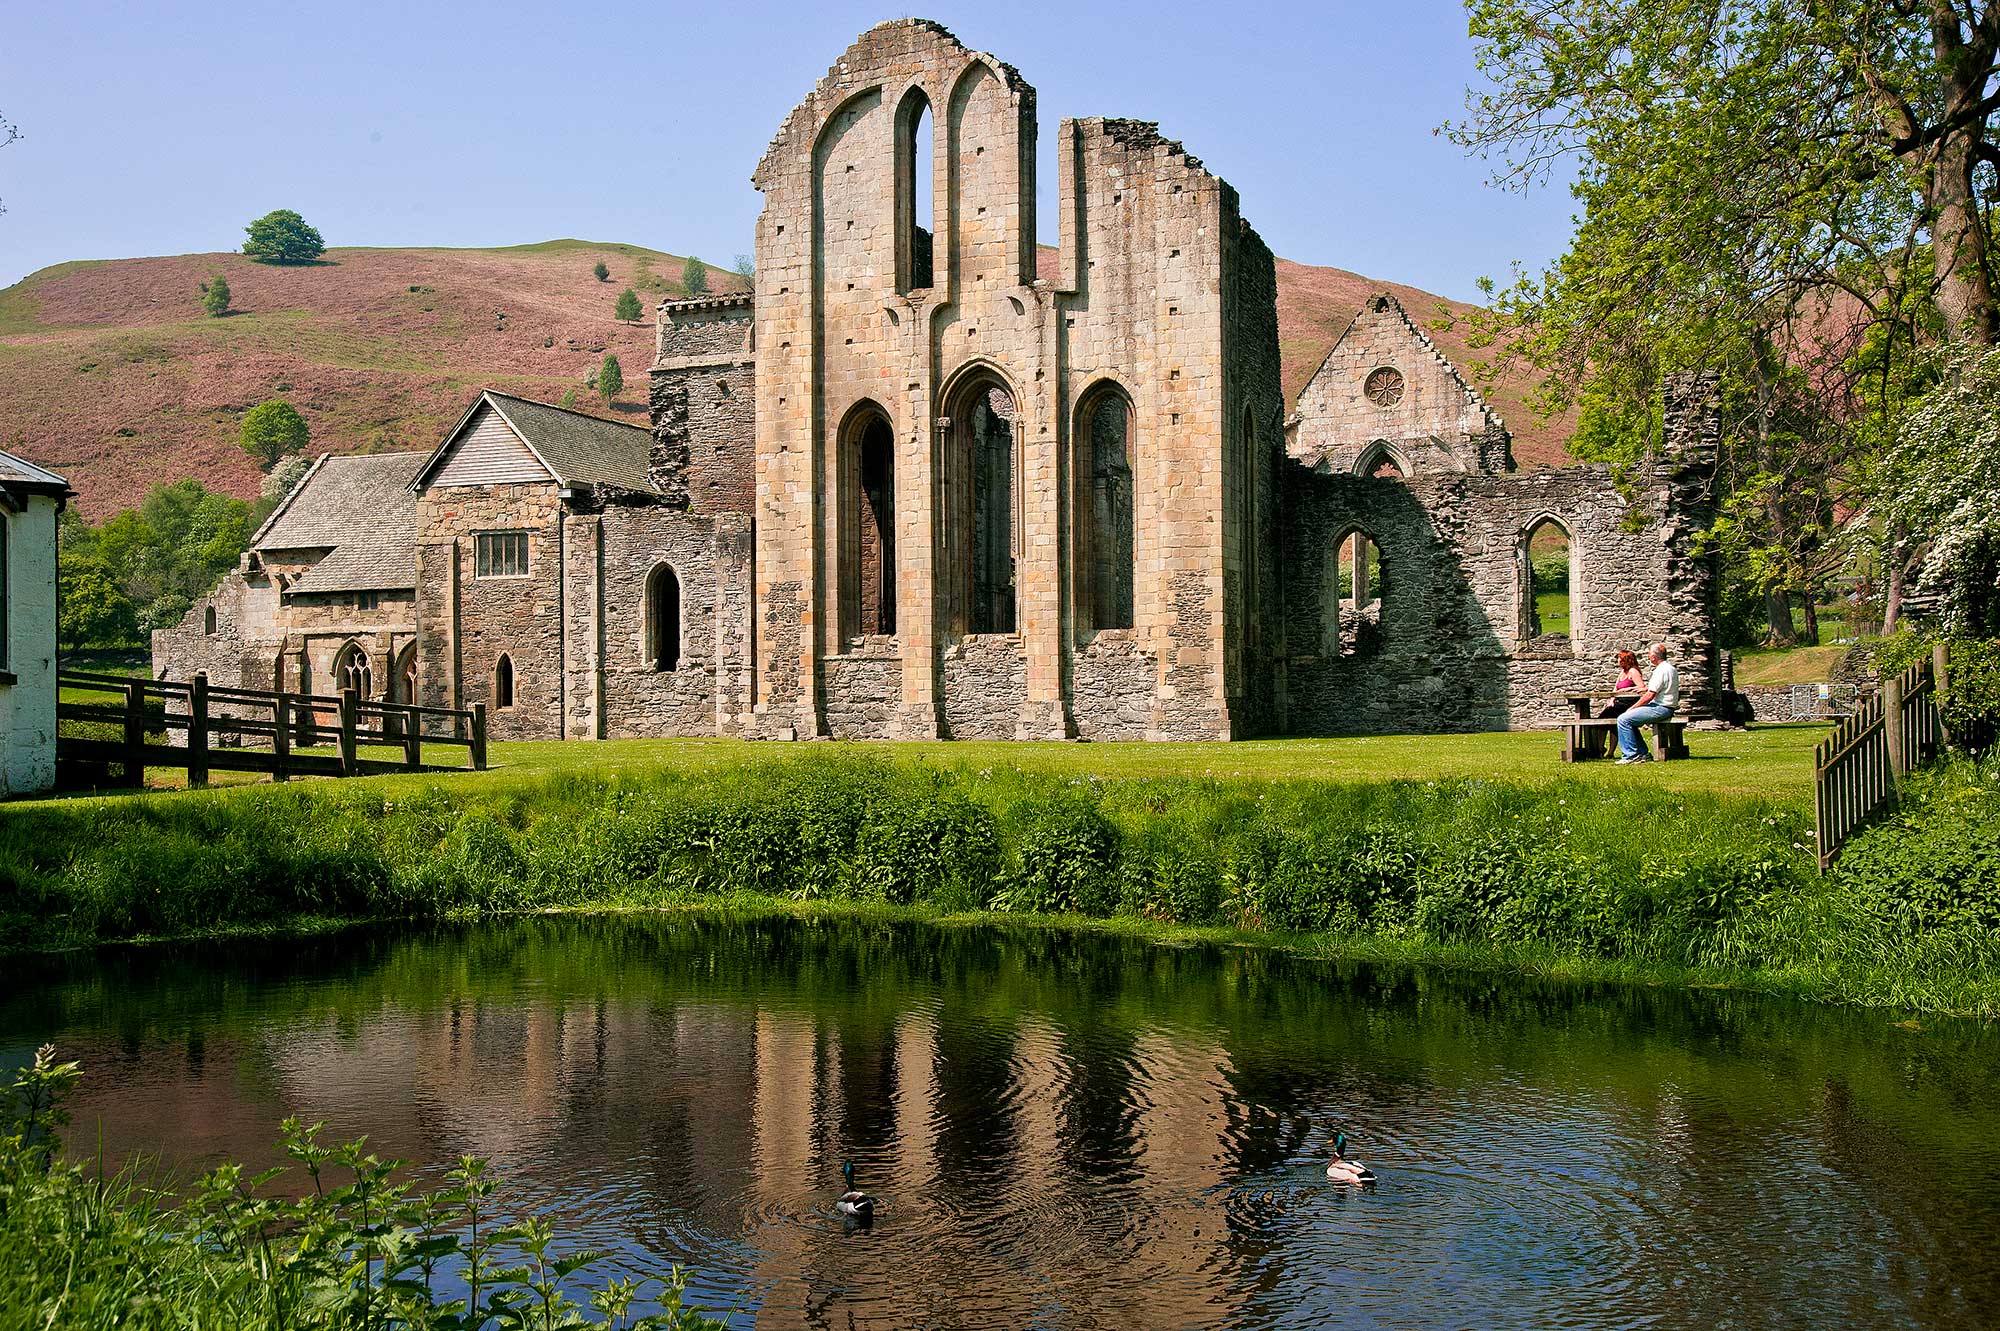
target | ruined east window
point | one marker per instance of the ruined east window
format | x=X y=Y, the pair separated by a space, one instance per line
x=1378 y=460
x=663 y=618
x=983 y=502
x=1548 y=577
x=503 y=682
x=1353 y=619
x=1107 y=537
x=914 y=194
x=500 y=554
x=351 y=671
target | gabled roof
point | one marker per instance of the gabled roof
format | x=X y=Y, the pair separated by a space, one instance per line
x=577 y=448
x=358 y=508
x=1382 y=302
x=19 y=474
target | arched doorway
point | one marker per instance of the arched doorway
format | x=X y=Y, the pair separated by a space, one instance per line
x=867 y=522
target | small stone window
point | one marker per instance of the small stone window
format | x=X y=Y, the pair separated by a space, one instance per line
x=367 y=601
x=663 y=618
x=500 y=554
x=208 y=621
x=1355 y=593
x=503 y=682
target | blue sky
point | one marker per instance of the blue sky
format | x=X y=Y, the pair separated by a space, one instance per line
x=163 y=128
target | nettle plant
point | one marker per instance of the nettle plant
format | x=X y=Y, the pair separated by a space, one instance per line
x=361 y=1248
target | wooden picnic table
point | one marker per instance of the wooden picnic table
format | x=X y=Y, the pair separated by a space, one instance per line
x=1586 y=736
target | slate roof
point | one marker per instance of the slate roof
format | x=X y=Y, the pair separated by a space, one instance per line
x=21 y=474
x=579 y=449
x=360 y=509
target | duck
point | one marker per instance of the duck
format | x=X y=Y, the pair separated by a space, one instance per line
x=1342 y=1170
x=854 y=1202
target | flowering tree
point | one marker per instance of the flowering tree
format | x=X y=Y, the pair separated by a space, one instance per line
x=1942 y=486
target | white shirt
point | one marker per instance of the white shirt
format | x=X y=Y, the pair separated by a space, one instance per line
x=1666 y=685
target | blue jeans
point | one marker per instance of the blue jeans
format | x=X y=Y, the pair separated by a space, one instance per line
x=1630 y=745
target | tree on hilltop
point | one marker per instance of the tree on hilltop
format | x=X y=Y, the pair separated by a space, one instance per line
x=271 y=430
x=610 y=377
x=694 y=278
x=627 y=307
x=215 y=296
x=283 y=237
x=602 y=273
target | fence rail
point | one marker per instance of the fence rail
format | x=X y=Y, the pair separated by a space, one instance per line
x=212 y=726
x=1857 y=768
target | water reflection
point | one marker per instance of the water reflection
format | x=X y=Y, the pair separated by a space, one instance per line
x=1084 y=1132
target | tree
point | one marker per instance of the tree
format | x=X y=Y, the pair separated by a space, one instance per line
x=94 y=611
x=694 y=278
x=610 y=377
x=627 y=307
x=9 y=133
x=746 y=266
x=283 y=237
x=569 y=397
x=215 y=295
x=1941 y=493
x=272 y=429
x=602 y=273
x=282 y=479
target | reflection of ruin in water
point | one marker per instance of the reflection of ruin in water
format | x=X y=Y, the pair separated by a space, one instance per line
x=1128 y=1133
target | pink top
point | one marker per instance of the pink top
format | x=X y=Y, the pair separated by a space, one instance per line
x=1629 y=681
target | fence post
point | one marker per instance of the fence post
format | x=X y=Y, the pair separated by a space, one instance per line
x=197 y=746
x=349 y=758
x=479 y=737
x=135 y=734
x=281 y=737
x=413 y=739
x=1940 y=685
x=1892 y=723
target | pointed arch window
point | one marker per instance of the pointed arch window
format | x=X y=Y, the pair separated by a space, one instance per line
x=915 y=233
x=352 y=671
x=1380 y=460
x=503 y=681
x=1550 y=577
x=981 y=499
x=208 y=620
x=1106 y=546
x=866 y=492
x=663 y=618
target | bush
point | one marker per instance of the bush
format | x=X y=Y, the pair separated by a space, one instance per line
x=215 y=296
x=1971 y=699
x=600 y=272
x=1935 y=864
x=929 y=845
x=1065 y=860
x=610 y=377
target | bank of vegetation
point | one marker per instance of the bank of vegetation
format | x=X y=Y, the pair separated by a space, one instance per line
x=1562 y=877
x=345 y=1241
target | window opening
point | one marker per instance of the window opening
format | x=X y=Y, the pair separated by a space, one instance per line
x=1550 y=558
x=915 y=196
x=503 y=682
x=500 y=554
x=988 y=452
x=663 y=618
x=1354 y=614
x=1108 y=543
x=351 y=671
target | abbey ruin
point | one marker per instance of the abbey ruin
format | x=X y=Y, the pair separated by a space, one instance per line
x=911 y=487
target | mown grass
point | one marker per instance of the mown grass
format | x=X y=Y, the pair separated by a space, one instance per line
x=1570 y=875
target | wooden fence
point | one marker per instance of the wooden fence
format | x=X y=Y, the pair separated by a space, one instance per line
x=1857 y=767
x=264 y=731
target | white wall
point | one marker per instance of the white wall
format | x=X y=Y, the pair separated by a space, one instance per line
x=28 y=706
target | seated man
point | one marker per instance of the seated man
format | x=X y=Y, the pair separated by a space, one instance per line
x=1657 y=703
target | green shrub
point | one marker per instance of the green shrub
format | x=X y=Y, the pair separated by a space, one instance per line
x=1065 y=859
x=1935 y=864
x=929 y=845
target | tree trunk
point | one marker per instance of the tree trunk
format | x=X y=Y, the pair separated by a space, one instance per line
x=1810 y=638
x=1958 y=235
x=1778 y=606
x=1892 y=600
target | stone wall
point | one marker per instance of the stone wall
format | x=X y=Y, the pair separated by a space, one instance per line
x=615 y=690
x=985 y=684
x=704 y=406
x=471 y=622
x=1112 y=681
x=1452 y=652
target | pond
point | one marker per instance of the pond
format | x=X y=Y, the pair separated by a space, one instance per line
x=1079 y=1130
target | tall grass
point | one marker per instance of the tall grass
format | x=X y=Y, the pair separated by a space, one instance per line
x=1721 y=886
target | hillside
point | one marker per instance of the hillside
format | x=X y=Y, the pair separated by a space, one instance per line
x=111 y=374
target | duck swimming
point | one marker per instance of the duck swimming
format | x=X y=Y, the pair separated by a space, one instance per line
x=854 y=1202
x=1342 y=1170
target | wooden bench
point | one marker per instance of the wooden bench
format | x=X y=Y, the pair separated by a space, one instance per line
x=1585 y=738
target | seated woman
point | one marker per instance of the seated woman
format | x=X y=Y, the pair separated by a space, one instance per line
x=1630 y=681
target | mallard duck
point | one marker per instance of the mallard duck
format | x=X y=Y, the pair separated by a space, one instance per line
x=854 y=1202
x=1342 y=1170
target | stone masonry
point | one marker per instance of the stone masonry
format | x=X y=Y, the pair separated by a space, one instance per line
x=908 y=488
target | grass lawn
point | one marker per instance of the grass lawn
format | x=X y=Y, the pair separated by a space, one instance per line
x=1792 y=665
x=1773 y=762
